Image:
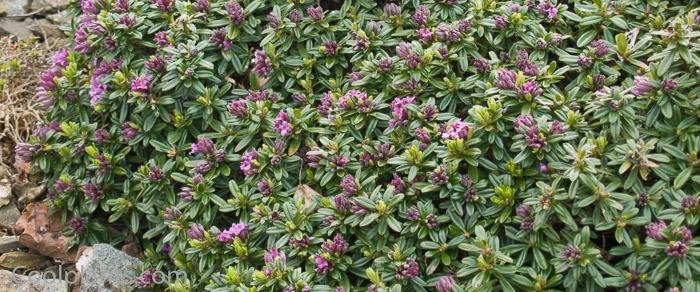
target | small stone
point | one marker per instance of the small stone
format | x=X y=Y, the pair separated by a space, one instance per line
x=5 y=173
x=14 y=7
x=9 y=243
x=46 y=7
x=104 y=268
x=42 y=232
x=29 y=192
x=15 y=29
x=5 y=193
x=60 y=18
x=10 y=281
x=44 y=28
x=8 y=216
x=21 y=260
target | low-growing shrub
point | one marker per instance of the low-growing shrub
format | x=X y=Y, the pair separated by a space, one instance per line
x=422 y=145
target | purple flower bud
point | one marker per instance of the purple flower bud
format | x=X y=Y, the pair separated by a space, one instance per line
x=295 y=16
x=248 y=163
x=447 y=33
x=522 y=211
x=677 y=249
x=431 y=221
x=456 y=130
x=121 y=5
x=155 y=174
x=235 y=12
x=63 y=185
x=385 y=65
x=399 y=112
x=341 y=203
x=655 y=230
x=425 y=35
x=668 y=85
x=600 y=48
x=77 y=225
x=506 y=79
x=482 y=65
x=203 y=167
x=421 y=16
x=398 y=184
x=584 y=62
x=529 y=89
x=643 y=199
x=201 y=6
x=463 y=25
x=347 y=184
x=274 y=254
x=571 y=253
x=336 y=247
x=544 y=168
x=197 y=178
x=409 y=269
x=338 y=162
x=155 y=64
x=527 y=224
x=161 y=39
x=412 y=214
x=642 y=86
x=172 y=213
x=141 y=86
x=264 y=187
x=185 y=194
x=438 y=176
x=220 y=39
x=329 y=48
x=164 y=5
x=556 y=128
x=26 y=151
x=323 y=266
x=501 y=22
x=261 y=64
x=203 y=146
x=392 y=10
x=445 y=284
x=196 y=232
x=282 y=125
x=238 y=230
x=60 y=58
x=92 y=191
x=683 y=234
x=273 y=20
x=316 y=13
x=148 y=278
x=301 y=243
x=238 y=108
x=126 y=20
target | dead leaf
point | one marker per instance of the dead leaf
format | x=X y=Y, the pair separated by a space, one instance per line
x=309 y=195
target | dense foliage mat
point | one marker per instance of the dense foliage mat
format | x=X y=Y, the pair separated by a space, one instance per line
x=367 y=145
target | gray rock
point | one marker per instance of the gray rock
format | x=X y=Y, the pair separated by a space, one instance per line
x=34 y=283
x=8 y=216
x=5 y=193
x=42 y=27
x=29 y=192
x=5 y=173
x=21 y=260
x=9 y=243
x=104 y=268
x=14 y=28
x=60 y=18
x=45 y=7
x=14 y=7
